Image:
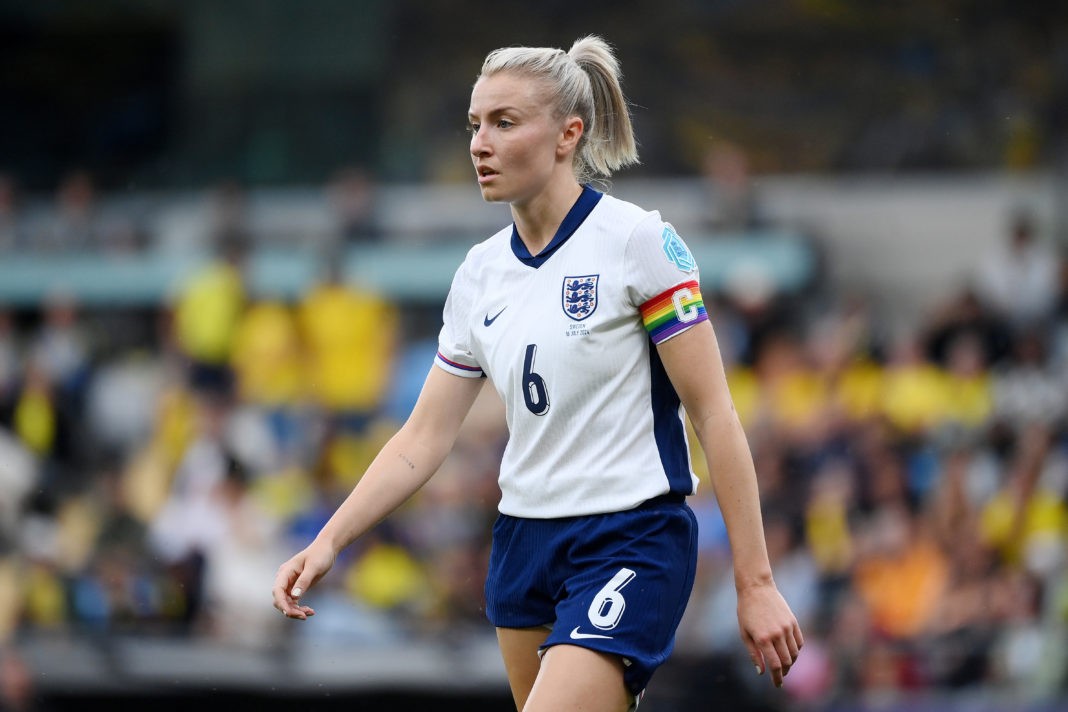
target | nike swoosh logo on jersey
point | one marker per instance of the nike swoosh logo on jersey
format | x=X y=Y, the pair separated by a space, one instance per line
x=487 y=320
x=575 y=635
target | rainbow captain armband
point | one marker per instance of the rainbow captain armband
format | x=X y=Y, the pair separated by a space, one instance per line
x=673 y=311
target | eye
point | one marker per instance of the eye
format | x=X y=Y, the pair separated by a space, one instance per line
x=504 y=124
x=473 y=128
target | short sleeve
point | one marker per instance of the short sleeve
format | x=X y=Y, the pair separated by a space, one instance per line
x=454 y=350
x=664 y=283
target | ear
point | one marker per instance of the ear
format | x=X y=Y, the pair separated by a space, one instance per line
x=570 y=135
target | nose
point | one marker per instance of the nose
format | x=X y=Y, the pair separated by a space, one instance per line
x=479 y=145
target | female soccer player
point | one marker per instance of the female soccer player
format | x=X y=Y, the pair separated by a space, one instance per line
x=586 y=315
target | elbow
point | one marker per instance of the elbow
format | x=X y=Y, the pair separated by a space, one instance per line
x=712 y=422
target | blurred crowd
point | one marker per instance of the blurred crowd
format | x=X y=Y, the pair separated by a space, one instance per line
x=914 y=483
x=914 y=479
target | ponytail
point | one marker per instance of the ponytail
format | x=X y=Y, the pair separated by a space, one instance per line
x=609 y=143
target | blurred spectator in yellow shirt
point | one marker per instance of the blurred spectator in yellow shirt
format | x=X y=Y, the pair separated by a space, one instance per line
x=34 y=413
x=844 y=345
x=794 y=396
x=268 y=363
x=913 y=394
x=350 y=335
x=207 y=311
x=969 y=399
x=266 y=355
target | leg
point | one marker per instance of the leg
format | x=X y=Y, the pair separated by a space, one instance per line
x=574 y=679
x=519 y=648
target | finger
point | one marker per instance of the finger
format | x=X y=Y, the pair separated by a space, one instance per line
x=278 y=595
x=793 y=642
x=279 y=591
x=798 y=637
x=773 y=662
x=754 y=653
x=298 y=589
x=285 y=575
x=284 y=588
x=299 y=613
x=786 y=657
x=290 y=607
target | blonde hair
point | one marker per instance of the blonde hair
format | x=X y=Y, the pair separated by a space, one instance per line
x=585 y=82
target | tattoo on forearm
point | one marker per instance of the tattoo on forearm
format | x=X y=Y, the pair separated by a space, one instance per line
x=411 y=465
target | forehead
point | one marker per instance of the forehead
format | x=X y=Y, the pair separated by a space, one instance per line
x=507 y=89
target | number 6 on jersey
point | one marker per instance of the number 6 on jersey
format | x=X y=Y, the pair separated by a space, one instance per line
x=535 y=394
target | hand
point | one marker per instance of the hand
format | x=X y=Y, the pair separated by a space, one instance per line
x=299 y=574
x=769 y=630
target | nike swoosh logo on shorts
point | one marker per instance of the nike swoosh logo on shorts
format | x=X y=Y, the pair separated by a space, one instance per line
x=487 y=320
x=575 y=635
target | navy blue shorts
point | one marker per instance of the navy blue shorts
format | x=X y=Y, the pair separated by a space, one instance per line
x=616 y=583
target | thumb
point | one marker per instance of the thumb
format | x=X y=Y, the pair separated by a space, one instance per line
x=301 y=585
x=313 y=567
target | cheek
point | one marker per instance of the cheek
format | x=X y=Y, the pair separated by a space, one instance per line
x=527 y=155
x=535 y=154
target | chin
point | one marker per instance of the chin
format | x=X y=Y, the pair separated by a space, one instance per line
x=491 y=195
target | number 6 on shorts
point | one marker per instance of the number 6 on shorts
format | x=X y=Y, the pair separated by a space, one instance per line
x=608 y=605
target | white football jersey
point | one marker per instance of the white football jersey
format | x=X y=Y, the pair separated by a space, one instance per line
x=566 y=337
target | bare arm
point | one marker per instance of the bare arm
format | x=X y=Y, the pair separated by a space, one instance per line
x=768 y=627
x=404 y=464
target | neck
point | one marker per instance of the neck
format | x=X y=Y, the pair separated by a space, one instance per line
x=538 y=219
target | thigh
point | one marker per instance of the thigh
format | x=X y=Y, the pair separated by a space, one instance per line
x=574 y=678
x=519 y=648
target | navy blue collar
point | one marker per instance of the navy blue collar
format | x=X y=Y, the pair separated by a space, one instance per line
x=585 y=204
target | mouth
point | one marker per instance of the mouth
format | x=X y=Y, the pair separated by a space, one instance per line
x=485 y=174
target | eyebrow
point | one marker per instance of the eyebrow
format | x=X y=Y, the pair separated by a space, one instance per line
x=496 y=112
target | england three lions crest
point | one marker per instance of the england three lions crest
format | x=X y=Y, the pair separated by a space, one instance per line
x=580 y=296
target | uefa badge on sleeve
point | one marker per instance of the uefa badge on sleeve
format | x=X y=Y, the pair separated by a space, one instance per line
x=580 y=296
x=676 y=250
